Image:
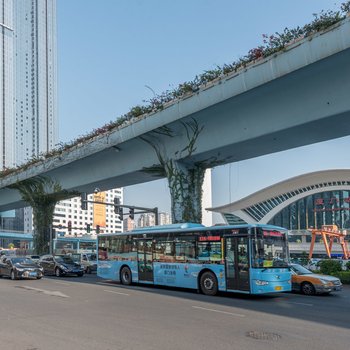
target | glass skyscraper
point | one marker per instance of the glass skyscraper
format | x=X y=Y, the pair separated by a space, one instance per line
x=7 y=119
x=28 y=79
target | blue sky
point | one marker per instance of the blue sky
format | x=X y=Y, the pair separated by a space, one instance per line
x=109 y=51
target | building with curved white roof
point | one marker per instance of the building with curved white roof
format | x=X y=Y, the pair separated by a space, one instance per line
x=299 y=203
x=330 y=190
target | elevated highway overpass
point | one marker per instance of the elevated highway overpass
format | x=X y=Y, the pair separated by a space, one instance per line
x=296 y=97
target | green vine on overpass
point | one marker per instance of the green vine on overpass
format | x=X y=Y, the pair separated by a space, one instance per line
x=271 y=45
x=185 y=178
x=42 y=194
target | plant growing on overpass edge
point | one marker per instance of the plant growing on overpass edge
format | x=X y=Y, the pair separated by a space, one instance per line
x=42 y=194
x=272 y=44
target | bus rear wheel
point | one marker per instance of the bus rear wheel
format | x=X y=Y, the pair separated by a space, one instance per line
x=125 y=276
x=208 y=283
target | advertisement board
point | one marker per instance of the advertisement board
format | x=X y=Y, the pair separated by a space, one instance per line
x=100 y=209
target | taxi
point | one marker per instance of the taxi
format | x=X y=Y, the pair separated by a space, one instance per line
x=309 y=283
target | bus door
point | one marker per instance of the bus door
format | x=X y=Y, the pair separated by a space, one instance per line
x=145 y=260
x=237 y=263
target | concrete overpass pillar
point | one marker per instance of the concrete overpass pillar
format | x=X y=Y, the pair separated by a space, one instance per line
x=185 y=183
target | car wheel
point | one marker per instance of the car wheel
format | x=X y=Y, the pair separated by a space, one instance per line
x=57 y=272
x=125 y=276
x=208 y=283
x=13 y=275
x=307 y=288
x=39 y=278
x=81 y=274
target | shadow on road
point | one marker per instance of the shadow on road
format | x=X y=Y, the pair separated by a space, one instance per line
x=333 y=309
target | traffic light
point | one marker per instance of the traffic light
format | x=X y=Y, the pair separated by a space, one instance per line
x=69 y=226
x=116 y=205
x=83 y=198
x=88 y=228
x=97 y=229
x=131 y=213
x=120 y=213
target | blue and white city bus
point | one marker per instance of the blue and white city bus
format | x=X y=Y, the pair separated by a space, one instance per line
x=242 y=259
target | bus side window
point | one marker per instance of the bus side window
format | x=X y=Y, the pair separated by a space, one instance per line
x=209 y=251
x=185 y=250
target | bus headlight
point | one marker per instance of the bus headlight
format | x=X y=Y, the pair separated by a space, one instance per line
x=261 y=283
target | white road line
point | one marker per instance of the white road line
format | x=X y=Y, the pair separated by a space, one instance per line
x=54 y=293
x=105 y=283
x=64 y=283
x=304 y=304
x=219 y=311
x=112 y=291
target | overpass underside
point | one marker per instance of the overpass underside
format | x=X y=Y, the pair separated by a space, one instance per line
x=295 y=98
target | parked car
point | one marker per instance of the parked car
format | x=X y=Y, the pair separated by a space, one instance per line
x=88 y=260
x=314 y=264
x=17 y=267
x=7 y=252
x=35 y=258
x=309 y=283
x=60 y=265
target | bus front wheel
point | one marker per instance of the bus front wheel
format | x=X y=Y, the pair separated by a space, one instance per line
x=208 y=283
x=125 y=276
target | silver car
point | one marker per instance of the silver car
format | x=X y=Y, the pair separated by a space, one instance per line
x=87 y=260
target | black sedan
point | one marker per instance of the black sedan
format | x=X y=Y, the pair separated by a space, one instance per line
x=17 y=267
x=60 y=265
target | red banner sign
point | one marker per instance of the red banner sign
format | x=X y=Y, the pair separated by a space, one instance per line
x=209 y=238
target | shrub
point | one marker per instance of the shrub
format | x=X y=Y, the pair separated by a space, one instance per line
x=304 y=258
x=329 y=267
x=344 y=276
x=347 y=265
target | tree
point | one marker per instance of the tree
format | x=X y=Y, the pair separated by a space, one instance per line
x=42 y=194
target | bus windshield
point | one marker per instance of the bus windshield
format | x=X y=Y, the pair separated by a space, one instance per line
x=270 y=249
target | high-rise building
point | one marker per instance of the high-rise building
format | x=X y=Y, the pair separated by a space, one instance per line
x=7 y=55
x=164 y=218
x=28 y=83
x=36 y=129
x=207 y=200
x=146 y=220
x=28 y=79
x=71 y=220
x=128 y=224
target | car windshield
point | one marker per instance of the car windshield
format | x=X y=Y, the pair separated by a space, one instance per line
x=35 y=257
x=92 y=257
x=76 y=257
x=300 y=270
x=64 y=259
x=270 y=249
x=22 y=261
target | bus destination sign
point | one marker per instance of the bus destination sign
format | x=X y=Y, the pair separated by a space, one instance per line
x=209 y=238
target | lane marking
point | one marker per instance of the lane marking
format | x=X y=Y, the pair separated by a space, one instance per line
x=112 y=291
x=219 y=311
x=47 y=292
x=64 y=283
x=106 y=283
x=304 y=304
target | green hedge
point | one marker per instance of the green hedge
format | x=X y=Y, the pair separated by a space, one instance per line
x=343 y=275
x=329 y=266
